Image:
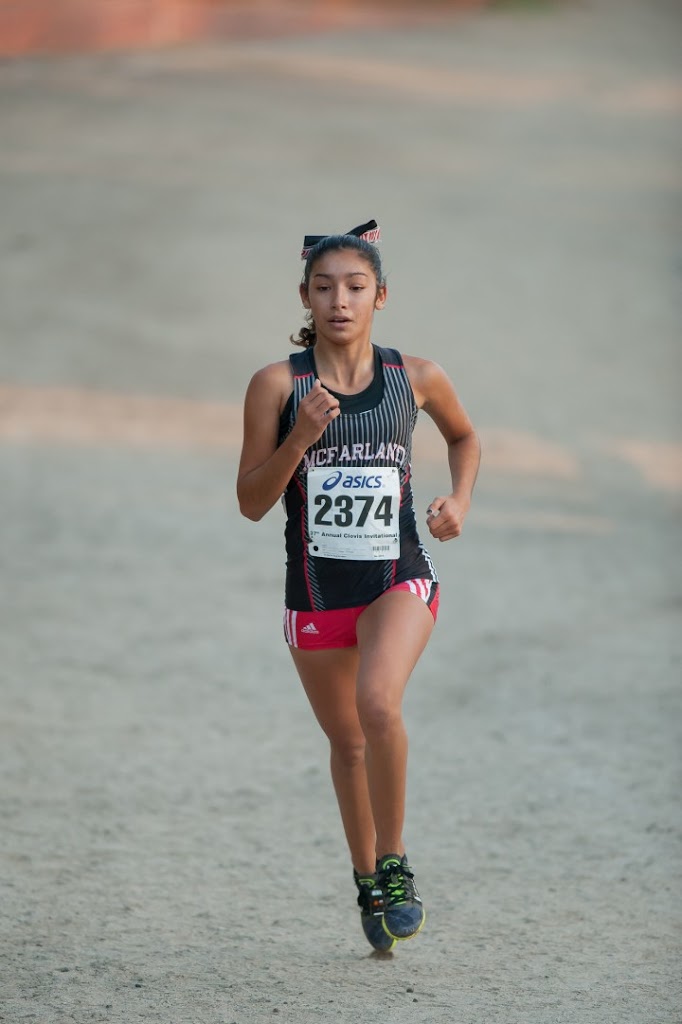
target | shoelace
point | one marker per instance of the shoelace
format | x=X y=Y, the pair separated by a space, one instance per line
x=398 y=885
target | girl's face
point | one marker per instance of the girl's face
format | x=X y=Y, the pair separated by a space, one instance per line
x=342 y=295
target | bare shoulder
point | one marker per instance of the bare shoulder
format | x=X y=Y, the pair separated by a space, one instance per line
x=435 y=394
x=272 y=384
x=273 y=374
x=426 y=378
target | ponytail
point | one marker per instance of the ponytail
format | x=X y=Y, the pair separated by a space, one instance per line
x=307 y=336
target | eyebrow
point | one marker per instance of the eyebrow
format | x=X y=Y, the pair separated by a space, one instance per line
x=353 y=273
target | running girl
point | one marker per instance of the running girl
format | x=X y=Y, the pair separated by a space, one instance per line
x=330 y=428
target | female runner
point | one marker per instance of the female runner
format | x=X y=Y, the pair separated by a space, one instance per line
x=330 y=428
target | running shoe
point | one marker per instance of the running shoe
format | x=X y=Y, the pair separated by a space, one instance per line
x=404 y=914
x=371 y=903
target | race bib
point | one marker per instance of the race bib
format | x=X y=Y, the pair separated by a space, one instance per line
x=354 y=513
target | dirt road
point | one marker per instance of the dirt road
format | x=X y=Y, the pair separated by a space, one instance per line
x=170 y=844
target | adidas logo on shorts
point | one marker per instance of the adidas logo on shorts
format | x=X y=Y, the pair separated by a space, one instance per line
x=310 y=628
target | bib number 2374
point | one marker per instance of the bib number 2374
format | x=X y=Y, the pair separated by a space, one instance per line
x=354 y=513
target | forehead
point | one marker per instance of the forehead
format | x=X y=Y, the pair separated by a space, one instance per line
x=342 y=262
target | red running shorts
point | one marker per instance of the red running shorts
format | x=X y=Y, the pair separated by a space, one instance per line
x=317 y=631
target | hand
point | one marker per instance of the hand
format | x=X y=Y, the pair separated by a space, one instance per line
x=315 y=411
x=445 y=517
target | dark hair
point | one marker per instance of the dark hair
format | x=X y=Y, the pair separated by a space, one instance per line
x=333 y=243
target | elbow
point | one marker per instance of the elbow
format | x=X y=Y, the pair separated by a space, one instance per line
x=474 y=439
x=247 y=507
x=469 y=438
x=253 y=504
x=249 y=511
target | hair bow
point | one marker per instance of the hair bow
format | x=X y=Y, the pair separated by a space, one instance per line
x=370 y=232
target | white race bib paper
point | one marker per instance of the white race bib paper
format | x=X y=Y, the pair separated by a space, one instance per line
x=354 y=513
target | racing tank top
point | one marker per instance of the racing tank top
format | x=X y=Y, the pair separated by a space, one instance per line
x=351 y=493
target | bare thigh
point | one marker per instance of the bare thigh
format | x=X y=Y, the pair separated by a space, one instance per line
x=392 y=634
x=329 y=679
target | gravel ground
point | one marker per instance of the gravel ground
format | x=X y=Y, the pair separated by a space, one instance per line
x=169 y=839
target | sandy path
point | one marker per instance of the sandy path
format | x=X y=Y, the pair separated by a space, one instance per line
x=170 y=845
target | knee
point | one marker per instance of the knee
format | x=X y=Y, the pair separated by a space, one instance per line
x=348 y=752
x=378 y=718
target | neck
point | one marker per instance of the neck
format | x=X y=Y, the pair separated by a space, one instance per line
x=346 y=369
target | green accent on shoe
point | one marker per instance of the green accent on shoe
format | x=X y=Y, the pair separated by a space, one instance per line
x=404 y=915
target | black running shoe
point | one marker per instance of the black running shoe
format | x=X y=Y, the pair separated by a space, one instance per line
x=371 y=903
x=404 y=914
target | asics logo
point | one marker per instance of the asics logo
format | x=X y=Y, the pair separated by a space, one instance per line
x=351 y=482
x=332 y=480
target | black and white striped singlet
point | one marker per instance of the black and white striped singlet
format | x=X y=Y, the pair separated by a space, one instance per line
x=374 y=429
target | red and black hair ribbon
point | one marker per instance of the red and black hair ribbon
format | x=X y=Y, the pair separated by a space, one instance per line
x=370 y=232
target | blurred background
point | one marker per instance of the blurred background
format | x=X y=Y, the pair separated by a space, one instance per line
x=522 y=159
x=160 y=163
x=70 y=25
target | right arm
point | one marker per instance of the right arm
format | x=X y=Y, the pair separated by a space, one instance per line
x=265 y=468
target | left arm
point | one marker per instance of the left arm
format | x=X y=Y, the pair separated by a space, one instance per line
x=435 y=394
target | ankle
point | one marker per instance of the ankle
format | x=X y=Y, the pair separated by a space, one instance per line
x=391 y=851
x=369 y=873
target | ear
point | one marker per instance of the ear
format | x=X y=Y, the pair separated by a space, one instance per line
x=382 y=296
x=303 y=292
